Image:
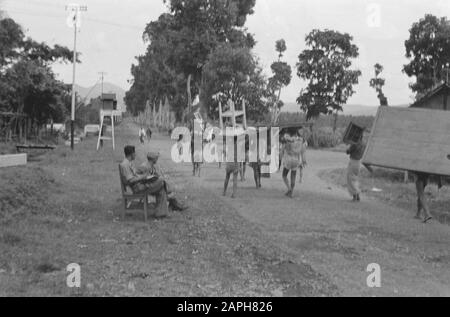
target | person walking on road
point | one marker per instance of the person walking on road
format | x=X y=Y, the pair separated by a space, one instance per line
x=422 y=180
x=291 y=159
x=142 y=135
x=356 y=152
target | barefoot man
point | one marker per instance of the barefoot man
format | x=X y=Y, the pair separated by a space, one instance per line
x=356 y=152
x=422 y=180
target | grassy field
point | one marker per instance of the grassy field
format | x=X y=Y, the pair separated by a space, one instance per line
x=394 y=191
x=328 y=121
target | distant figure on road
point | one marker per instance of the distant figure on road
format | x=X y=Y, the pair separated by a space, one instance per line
x=291 y=158
x=232 y=168
x=356 y=152
x=180 y=145
x=304 y=163
x=142 y=135
x=149 y=134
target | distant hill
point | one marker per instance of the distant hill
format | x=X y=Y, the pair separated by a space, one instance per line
x=96 y=91
x=353 y=110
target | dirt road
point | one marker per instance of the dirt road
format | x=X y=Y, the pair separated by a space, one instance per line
x=338 y=238
x=63 y=209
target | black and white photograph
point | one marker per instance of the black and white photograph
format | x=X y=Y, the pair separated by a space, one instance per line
x=225 y=154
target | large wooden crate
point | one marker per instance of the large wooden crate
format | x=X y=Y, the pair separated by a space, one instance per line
x=410 y=139
x=353 y=133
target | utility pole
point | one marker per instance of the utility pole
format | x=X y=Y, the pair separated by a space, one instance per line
x=74 y=20
x=101 y=96
x=103 y=78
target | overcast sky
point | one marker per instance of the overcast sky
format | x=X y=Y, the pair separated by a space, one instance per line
x=111 y=35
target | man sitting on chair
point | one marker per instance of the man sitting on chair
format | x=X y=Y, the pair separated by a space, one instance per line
x=140 y=183
x=151 y=168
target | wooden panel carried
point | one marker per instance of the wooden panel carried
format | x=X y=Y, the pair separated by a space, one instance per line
x=410 y=139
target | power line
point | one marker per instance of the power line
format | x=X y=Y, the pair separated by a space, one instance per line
x=38 y=14
x=34 y=14
x=119 y=25
x=41 y=3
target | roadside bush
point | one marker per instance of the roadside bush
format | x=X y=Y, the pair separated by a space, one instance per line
x=326 y=138
x=24 y=190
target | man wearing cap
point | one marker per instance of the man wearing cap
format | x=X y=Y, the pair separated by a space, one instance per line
x=151 y=168
x=139 y=182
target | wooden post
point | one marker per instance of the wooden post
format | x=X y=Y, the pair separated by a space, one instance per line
x=100 y=134
x=233 y=111
x=245 y=114
x=113 y=135
x=220 y=115
x=154 y=115
x=160 y=114
x=20 y=129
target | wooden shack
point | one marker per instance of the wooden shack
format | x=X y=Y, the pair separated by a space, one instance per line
x=109 y=101
x=436 y=99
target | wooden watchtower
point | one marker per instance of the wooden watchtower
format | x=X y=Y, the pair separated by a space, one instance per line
x=108 y=113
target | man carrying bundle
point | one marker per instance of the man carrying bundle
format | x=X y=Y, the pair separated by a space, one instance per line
x=356 y=152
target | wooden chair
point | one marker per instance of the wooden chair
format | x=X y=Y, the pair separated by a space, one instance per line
x=128 y=198
x=233 y=114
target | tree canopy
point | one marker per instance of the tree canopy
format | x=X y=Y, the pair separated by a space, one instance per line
x=326 y=66
x=28 y=84
x=378 y=83
x=180 y=44
x=233 y=73
x=428 y=49
x=282 y=76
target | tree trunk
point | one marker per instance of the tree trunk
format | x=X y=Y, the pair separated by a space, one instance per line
x=154 y=114
x=9 y=133
x=314 y=134
x=336 y=115
x=189 y=94
x=160 y=114
x=20 y=131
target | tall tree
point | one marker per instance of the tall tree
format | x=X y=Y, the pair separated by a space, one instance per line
x=378 y=83
x=181 y=41
x=11 y=39
x=326 y=66
x=28 y=84
x=201 y=26
x=282 y=76
x=232 y=74
x=428 y=49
